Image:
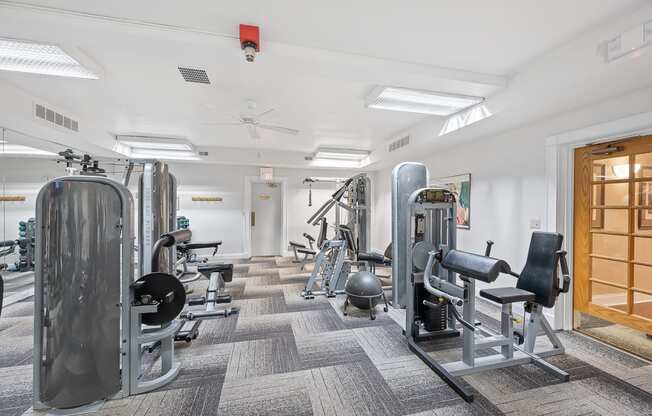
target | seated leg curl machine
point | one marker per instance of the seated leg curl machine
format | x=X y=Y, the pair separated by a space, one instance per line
x=434 y=293
x=308 y=252
x=218 y=275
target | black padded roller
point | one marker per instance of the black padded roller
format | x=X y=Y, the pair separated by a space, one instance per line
x=475 y=266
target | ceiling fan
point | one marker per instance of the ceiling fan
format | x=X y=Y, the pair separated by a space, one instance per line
x=252 y=123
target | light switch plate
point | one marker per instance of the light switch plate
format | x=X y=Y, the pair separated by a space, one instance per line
x=535 y=224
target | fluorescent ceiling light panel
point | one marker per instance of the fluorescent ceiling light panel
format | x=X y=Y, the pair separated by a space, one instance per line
x=334 y=163
x=39 y=58
x=143 y=147
x=17 y=149
x=465 y=118
x=341 y=154
x=419 y=101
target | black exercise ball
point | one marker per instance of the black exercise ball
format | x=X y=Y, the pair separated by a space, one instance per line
x=364 y=289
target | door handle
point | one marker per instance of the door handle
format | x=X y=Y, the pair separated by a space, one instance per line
x=253 y=218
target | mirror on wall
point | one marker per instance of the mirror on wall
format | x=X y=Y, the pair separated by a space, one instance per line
x=26 y=164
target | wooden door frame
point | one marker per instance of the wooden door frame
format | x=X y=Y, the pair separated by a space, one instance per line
x=584 y=167
x=559 y=182
x=249 y=181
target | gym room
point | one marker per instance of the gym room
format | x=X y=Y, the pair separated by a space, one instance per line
x=293 y=208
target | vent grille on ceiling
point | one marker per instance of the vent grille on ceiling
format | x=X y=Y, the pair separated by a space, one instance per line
x=397 y=144
x=55 y=118
x=194 y=75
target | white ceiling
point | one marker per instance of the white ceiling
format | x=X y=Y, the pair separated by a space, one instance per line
x=484 y=36
x=318 y=61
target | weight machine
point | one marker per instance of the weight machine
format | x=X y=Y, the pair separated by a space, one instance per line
x=441 y=278
x=88 y=309
x=352 y=207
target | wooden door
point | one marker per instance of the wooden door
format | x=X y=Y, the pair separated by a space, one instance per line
x=613 y=232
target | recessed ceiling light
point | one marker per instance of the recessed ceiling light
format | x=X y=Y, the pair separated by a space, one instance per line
x=40 y=58
x=419 y=101
x=341 y=154
x=334 y=163
x=465 y=118
x=143 y=147
x=17 y=149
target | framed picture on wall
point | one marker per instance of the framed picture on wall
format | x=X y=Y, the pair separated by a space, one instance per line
x=597 y=197
x=460 y=186
x=645 y=199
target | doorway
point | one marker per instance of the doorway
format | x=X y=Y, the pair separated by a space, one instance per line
x=266 y=222
x=612 y=289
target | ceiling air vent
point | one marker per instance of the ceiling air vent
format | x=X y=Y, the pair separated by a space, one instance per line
x=397 y=144
x=54 y=118
x=194 y=75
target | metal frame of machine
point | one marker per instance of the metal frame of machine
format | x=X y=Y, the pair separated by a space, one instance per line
x=330 y=272
x=356 y=193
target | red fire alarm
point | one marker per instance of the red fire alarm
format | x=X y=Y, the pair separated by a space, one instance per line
x=250 y=41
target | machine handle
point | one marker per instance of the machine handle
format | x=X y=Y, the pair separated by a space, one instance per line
x=253 y=219
x=449 y=298
x=564 y=271
x=487 y=251
x=168 y=240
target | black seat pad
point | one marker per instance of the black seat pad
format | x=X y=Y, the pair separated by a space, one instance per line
x=306 y=251
x=504 y=295
x=195 y=246
x=214 y=268
x=298 y=245
x=225 y=269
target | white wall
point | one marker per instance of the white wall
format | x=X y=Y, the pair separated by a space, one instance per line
x=209 y=221
x=508 y=179
x=225 y=220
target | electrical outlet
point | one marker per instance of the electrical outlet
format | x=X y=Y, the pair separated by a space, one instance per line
x=535 y=224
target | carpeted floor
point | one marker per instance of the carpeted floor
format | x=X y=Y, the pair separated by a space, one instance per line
x=283 y=355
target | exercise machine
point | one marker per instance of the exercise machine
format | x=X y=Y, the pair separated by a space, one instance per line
x=217 y=274
x=88 y=308
x=157 y=214
x=186 y=256
x=443 y=278
x=307 y=251
x=351 y=204
x=376 y=259
x=332 y=268
x=406 y=178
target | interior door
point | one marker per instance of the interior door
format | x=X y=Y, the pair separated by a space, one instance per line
x=266 y=219
x=613 y=233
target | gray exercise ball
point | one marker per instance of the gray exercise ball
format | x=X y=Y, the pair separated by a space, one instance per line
x=364 y=289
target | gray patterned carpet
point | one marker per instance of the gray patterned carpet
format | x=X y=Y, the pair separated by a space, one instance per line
x=283 y=355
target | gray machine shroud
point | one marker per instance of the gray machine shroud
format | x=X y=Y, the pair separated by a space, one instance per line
x=84 y=265
x=157 y=190
x=406 y=178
